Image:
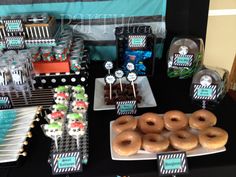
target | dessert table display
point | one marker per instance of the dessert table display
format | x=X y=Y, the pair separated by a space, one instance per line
x=133 y=116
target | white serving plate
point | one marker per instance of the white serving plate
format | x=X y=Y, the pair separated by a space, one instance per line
x=144 y=155
x=10 y=152
x=144 y=88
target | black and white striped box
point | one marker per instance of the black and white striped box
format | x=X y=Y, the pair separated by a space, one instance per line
x=126 y=107
x=66 y=163
x=210 y=96
x=172 y=163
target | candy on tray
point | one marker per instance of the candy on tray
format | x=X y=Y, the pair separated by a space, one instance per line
x=80 y=97
x=61 y=98
x=62 y=89
x=75 y=117
x=76 y=130
x=59 y=107
x=78 y=89
x=79 y=106
x=53 y=130
x=56 y=116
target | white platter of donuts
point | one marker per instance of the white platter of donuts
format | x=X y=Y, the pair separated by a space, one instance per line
x=142 y=137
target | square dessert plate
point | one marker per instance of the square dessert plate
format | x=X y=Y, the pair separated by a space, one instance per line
x=144 y=155
x=144 y=88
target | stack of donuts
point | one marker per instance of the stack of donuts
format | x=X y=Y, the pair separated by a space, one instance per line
x=154 y=133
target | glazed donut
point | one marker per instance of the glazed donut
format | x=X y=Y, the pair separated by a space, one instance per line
x=175 y=120
x=150 y=123
x=183 y=140
x=155 y=143
x=213 y=138
x=127 y=143
x=124 y=123
x=202 y=119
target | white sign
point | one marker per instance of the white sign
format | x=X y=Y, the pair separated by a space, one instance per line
x=108 y=65
x=119 y=73
x=130 y=66
x=132 y=76
x=110 y=79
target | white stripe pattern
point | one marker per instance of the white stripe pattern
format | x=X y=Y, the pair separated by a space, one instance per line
x=58 y=170
x=126 y=102
x=143 y=44
x=198 y=86
x=8 y=23
x=179 y=155
x=175 y=61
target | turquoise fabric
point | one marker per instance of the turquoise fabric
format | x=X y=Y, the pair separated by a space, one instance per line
x=109 y=52
x=92 y=10
x=96 y=10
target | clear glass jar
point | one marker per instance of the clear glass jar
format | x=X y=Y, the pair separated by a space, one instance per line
x=18 y=73
x=45 y=17
x=35 y=54
x=78 y=42
x=10 y=53
x=5 y=75
x=60 y=53
x=78 y=53
x=74 y=63
x=64 y=44
x=47 y=54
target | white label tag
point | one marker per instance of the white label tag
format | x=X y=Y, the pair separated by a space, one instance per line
x=108 y=65
x=110 y=79
x=130 y=66
x=119 y=73
x=132 y=76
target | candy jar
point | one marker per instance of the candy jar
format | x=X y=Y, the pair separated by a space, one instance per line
x=75 y=63
x=209 y=86
x=75 y=117
x=62 y=98
x=20 y=79
x=65 y=45
x=60 y=53
x=5 y=78
x=10 y=53
x=62 y=89
x=24 y=57
x=18 y=73
x=47 y=54
x=184 y=57
x=77 y=130
x=57 y=116
x=79 y=106
x=78 y=89
x=59 y=107
x=77 y=52
x=44 y=17
x=80 y=97
x=35 y=54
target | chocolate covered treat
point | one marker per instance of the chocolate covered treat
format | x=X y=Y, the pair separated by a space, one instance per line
x=118 y=95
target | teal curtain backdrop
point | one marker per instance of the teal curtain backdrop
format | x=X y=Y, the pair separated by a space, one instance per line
x=96 y=20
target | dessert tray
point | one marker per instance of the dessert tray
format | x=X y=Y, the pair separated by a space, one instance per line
x=143 y=87
x=144 y=155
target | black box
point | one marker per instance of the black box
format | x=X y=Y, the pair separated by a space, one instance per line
x=136 y=44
